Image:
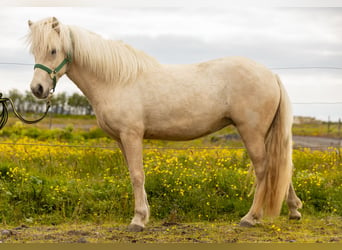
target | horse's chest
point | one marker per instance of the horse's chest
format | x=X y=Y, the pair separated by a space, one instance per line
x=116 y=117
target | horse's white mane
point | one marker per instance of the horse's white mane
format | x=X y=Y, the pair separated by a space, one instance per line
x=112 y=61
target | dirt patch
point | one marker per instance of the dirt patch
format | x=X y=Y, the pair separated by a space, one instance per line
x=312 y=229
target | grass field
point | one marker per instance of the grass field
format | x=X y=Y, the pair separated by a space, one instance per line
x=67 y=185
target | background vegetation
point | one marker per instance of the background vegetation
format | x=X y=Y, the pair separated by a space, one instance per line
x=75 y=104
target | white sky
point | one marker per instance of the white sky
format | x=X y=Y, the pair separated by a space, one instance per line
x=182 y=33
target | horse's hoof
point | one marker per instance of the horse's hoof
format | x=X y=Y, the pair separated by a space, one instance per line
x=295 y=216
x=245 y=223
x=135 y=228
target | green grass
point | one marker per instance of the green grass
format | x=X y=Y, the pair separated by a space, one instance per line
x=55 y=184
x=84 y=126
x=197 y=190
x=324 y=129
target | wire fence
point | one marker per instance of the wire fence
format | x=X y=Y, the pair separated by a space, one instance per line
x=335 y=147
x=272 y=68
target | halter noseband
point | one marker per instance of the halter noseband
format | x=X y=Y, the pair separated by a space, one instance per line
x=53 y=72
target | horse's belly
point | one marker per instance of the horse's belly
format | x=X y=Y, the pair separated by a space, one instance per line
x=184 y=129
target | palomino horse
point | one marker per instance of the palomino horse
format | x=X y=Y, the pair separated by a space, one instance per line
x=135 y=97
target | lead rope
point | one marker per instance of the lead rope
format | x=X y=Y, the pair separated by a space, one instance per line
x=4 y=112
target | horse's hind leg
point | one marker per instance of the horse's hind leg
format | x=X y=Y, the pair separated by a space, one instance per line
x=293 y=202
x=255 y=145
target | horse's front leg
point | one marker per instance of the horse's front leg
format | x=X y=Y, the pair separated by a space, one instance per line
x=131 y=146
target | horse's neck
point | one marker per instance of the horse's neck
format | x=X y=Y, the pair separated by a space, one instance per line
x=94 y=86
x=86 y=81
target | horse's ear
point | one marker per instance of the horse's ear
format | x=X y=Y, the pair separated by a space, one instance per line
x=55 y=25
x=30 y=23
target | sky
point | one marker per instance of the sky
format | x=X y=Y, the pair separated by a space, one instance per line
x=301 y=43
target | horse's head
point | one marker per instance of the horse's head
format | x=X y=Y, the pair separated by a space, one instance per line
x=51 y=47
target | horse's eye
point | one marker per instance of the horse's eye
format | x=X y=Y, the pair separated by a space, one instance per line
x=53 y=52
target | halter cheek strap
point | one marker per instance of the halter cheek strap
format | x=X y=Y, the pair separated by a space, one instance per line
x=53 y=72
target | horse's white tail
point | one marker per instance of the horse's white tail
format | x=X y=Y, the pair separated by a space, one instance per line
x=278 y=156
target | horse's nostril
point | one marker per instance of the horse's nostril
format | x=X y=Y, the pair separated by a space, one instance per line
x=39 y=89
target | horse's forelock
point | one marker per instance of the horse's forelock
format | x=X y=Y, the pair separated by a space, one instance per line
x=48 y=34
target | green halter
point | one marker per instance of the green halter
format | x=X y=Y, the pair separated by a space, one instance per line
x=53 y=73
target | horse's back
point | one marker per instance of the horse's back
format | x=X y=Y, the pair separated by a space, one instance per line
x=187 y=101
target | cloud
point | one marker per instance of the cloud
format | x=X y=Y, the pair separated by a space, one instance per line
x=275 y=37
